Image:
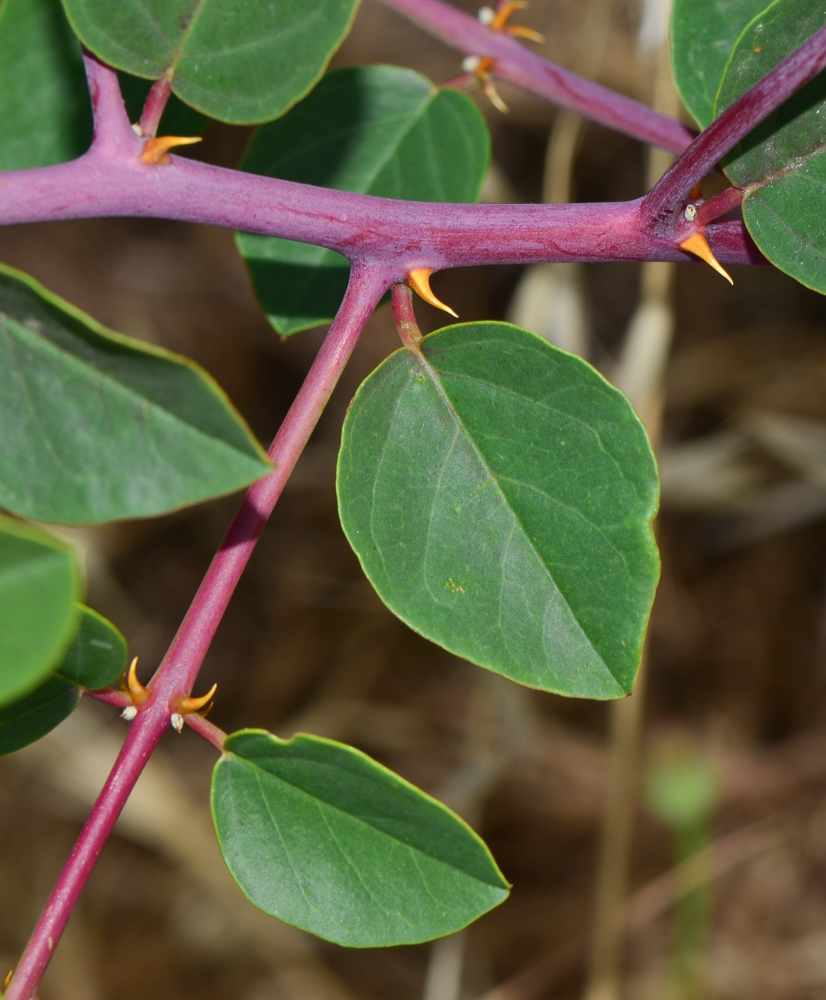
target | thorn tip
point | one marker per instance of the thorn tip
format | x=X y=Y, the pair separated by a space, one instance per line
x=137 y=692
x=156 y=151
x=419 y=280
x=698 y=245
x=185 y=705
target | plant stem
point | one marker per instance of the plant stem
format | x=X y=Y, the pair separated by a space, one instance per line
x=398 y=236
x=153 y=109
x=525 y=69
x=405 y=317
x=668 y=195
x=180 y=666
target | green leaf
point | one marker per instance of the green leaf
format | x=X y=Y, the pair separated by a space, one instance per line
x=703 y=33
x=234 y=60
x=784 y=156
x=95 y=426
x=499 y=494
x=25 y=721
x=322 y=837
x=45 y=115
x=177 y=119
x=39 y=589
x=97 y=657
x=378 y=130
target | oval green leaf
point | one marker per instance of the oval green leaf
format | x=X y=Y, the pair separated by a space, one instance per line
x=499 y=494
x=236 y=61
x=97 y=657
x=378 y=130
x=27 y=720
x=703 y=33
x=39 y=590
x=324 y=838
x=45 y=115
x=783 y=161
x=95 y=426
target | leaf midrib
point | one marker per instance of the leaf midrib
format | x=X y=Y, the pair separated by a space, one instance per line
x=432 y=373
x=359 y=819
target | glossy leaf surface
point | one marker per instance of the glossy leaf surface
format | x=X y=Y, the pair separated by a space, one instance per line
x=95 y=426
x=39 y=589
x=703 y=33
x=234 y=60
x=499 y=494
x=25 y=721
x=378 y=130
x=97 y=656
x=45 y=115
x=322 y=837
x=784 y=156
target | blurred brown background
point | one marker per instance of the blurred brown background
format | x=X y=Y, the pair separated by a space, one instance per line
x=737 y=667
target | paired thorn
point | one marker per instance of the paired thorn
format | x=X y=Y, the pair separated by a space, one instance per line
x=7 y=980
x=497 y=20
x=698 y=245
x=419 y=280
x=156 y=151
x=185 y=705
x=481 y=67
x=137 y=692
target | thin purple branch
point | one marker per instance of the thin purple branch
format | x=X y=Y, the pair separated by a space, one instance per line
x=518 y=65
x=180 y=667
x=153 y=109
x=668 y=195
x=404 y=316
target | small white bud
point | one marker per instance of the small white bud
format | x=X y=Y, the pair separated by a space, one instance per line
x=129 y=713
x=177 y=722
x=471 y=63
x=691 y=212
x=486 y=15
x=136 y=128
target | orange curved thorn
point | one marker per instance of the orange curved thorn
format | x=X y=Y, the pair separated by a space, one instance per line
x=698 y=244
x=697 y=191
x=492 y=95
x=7 y=980
x=186 y=706
x=157 y=150
x=502 y=16
x=520 y=31
x=137 y=692
x=419 y=280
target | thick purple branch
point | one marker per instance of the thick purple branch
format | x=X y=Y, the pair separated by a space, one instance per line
x=525 y=69
x=180 y=667
x=398 y=235
x=669 y=194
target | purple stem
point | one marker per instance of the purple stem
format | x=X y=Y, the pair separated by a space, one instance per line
x=111 y=180
x=669 y=194
x=525 y=69
x=153 y=109
x=180 y=666
x=405 y=317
